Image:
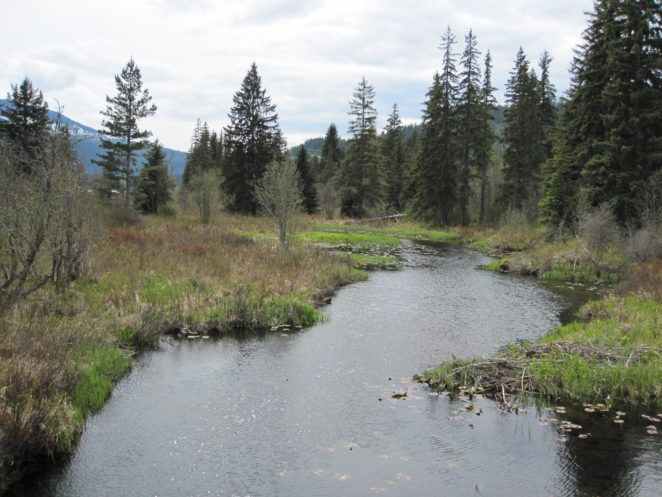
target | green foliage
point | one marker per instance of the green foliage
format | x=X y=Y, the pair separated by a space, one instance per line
x=394 y=159
x=523 y=137
x=304 y=169
x=331 y=156
x=253 y=140
x=371 y=262
x=154 y=184
x=26 y=124
x=122 y=136
x=359 y=178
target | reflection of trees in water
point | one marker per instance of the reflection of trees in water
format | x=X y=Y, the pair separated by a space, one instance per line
x=609 y=463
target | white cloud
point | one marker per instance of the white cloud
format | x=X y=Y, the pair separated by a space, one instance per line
x=194 y=53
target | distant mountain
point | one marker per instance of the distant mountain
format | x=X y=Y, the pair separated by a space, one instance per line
x=87 y=141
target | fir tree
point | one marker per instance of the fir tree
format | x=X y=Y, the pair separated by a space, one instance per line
x=471 y=119
x=394 y=158
x=523 y=137
x=609 y=141
x=154 y=183
x=547 y=103
x=27 y=124
x=306 y=180
x=253 y=140
x=122 y=136
x=435 y=174
x=331 y=155
x=201 y=154
x=359 y=177
x=487 y=135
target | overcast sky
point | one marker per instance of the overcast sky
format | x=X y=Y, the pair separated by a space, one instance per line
x=194 y=53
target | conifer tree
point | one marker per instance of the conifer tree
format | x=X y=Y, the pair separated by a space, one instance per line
x=154 y=184
x=609 y=141
x=331 y=155
x=471 y=118
x=394 y=158
x=547 y=103
x=359 y=177
x=487 y=135
x=253 y=140
x=27 y=124
x=201 y=154
x=306 y=180
x=523 y=137
x=435 y=174
x=122 y=136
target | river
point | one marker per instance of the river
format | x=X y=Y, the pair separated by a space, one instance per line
x=309 y=413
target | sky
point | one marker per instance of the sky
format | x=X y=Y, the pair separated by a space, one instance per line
x=193 y=54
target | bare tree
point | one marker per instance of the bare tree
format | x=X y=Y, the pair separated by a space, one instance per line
x=206 y=190
x=328 y=198
x=42 y=219
x=279 y=194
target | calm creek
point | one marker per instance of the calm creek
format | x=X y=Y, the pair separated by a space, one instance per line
x=309 y=413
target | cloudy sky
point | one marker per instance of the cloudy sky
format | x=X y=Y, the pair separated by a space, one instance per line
x=194 y=53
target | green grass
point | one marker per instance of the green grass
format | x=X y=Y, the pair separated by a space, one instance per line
x=408 y=231
x=614 y=357
x=351 y=239
x=101 y=368
x=371 y=262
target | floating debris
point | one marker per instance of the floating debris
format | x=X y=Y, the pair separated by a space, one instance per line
x=650 y=418
x=399 y=395
x=402 y=476
x=584 y=435
x=560 y=410
x=651 y=430
x=318 y=472
x=341 y=476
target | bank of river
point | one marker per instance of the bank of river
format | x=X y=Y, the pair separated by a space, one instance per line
x=311 y=412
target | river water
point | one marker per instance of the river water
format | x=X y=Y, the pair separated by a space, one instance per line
x=310 y=413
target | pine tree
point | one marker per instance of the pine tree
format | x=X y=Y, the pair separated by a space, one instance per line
x=27 y=124
x=359 y=177
x=154 y=183
x=471 y=119
x=523 y=137
x=303 y=166
x=122 y=136
x=200 y=158
x=435 y=173
x=253 y=140
x=331 y=155
x=394 y=158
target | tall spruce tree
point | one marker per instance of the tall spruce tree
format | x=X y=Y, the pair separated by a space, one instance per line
x=200 y=158
x=523 y=138
x=486 y=134
x=26 y=125
x=547 y=102
x=435 y=173
x=154 y=184
x=471 y=119
x=609 y=139
x=307 y=181
x=122 y=138
x=359 y=177
x=331 y=155
x=253 y=140
x=394 y=161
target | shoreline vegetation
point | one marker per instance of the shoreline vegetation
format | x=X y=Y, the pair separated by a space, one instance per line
x=61 y=353
x=611 y=355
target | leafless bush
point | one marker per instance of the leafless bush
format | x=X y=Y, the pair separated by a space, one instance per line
x=515 y=217
x=279 y=194
x=42 y=219
x=328 y=198
x=205 y=189
x=645 y=243
x=599 y=229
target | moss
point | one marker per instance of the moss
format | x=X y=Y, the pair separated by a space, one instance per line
x=370 y=262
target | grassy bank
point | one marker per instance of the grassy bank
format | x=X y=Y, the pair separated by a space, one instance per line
x=612 y=354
